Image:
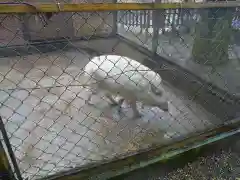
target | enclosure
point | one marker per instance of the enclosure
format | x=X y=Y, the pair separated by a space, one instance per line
x=48 y=130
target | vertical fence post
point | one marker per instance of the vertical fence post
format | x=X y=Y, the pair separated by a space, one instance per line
x=6 y=172
x=25 y=29
x=157 y=23
x=132 y=19
x=3 y=156
x=127 y=17
x=115 y=20
x=138 y=17
x=141 y=21
x=147 y=21
x=5 y=168
x=155 y=26
x=144 y=20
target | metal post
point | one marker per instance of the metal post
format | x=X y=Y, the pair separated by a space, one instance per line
x=3 y=157
x=25 y=30
x=5 y=168
x=155 y=36
x=158 y=22
x=115 y=21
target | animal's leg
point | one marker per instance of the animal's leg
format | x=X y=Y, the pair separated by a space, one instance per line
x=133 y=105
x=113 y=102
x=89 y=99
x=120 y=102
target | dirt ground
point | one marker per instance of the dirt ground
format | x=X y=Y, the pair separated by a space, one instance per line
x=223 y=165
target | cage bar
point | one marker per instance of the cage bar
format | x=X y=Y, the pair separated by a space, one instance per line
x=67 y=7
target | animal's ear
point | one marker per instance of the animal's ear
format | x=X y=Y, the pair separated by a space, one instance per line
x=156 y=91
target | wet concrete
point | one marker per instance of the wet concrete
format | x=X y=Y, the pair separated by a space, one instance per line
x=51 y=128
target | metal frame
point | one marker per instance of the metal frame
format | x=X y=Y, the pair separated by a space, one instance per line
x=70 y=7
x=5 y=168
x=140 y=159
x=10 y=152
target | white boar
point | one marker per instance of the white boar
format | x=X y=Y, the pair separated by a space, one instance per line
x=118 y=75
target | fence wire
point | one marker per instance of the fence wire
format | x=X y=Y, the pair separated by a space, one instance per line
x=45 y=85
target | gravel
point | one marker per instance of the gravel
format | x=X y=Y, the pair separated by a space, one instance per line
x=220 y=162
x=221 y=166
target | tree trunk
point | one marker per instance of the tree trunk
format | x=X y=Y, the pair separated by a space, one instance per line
x=212 y=37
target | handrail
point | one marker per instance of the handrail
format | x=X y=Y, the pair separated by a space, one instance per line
x=70 y=7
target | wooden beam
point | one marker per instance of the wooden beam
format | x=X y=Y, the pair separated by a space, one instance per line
x=34 y=8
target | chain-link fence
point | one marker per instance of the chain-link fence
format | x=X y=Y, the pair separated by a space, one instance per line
x=62 y=108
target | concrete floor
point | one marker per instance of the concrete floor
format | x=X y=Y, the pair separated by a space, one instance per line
x=52 y=129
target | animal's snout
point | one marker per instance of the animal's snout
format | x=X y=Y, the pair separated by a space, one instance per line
x=164 y=106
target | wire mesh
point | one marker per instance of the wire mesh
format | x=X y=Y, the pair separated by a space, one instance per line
x=44 y=93
x=177 y=35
